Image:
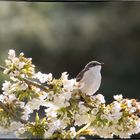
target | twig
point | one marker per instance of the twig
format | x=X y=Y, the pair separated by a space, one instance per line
x=29 y=82
x=83 y=128
x=2 y=105
x=2 y=68
x=10 y=112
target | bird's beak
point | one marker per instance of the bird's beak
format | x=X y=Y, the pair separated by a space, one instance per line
x=101 y=63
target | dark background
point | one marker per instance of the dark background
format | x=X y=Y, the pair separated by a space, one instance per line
x=66 y=36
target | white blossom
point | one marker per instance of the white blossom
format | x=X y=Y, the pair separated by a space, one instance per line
x=118 y=97
x=23 y=86
x=20 y=132
x=34 y=104
x=26 y=113
x=69 y=84
x=20 y=65
x=132 y=110
x=11 y=54
x=6 y=87
x=129 y=103
x=8 y=99
x=14 y=73
x=1 y=97
x=82 y=108
x=13 y=127
x=81 y=119
x=64 y=76
x=72 y=132
x=65 y=108
x=103 y=116
x=67 y=95
x=114 y=116
x=16 y=61
x=43 y=77
x=116 y=107
x=100 y=97
x=56 y=124
x=47 y=134
x=8 y=62
x=6 y=71
x=94 y=111
x=51 y=112
x=60 y=101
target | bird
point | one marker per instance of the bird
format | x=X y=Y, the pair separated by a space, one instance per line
x=89 y=79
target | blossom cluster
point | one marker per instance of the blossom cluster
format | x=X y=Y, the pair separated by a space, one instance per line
x=68 y=113
x=19 y=66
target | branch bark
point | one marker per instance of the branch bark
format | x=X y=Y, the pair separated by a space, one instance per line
x=2 y=105
x=2 y=68
x=29 y=82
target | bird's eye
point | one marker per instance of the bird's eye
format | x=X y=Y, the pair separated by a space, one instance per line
x=93 y=64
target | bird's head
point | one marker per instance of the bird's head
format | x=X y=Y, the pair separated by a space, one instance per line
x=94 y=64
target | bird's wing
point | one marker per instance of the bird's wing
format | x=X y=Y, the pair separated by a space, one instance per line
x=80 y=75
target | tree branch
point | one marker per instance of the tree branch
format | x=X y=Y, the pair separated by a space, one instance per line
x=29 y=82
x=83 y=129
x=2 y=105
x=2 y=68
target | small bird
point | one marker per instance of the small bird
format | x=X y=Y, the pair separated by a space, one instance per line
x=89 y=79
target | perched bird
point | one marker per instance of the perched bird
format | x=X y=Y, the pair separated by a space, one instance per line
x=89 y=78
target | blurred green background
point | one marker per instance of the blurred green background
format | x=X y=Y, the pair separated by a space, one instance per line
x=66 y=36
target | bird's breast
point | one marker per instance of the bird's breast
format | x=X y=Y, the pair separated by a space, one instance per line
x=91 y=81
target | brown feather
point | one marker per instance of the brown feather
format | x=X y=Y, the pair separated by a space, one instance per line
x=80 y=75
